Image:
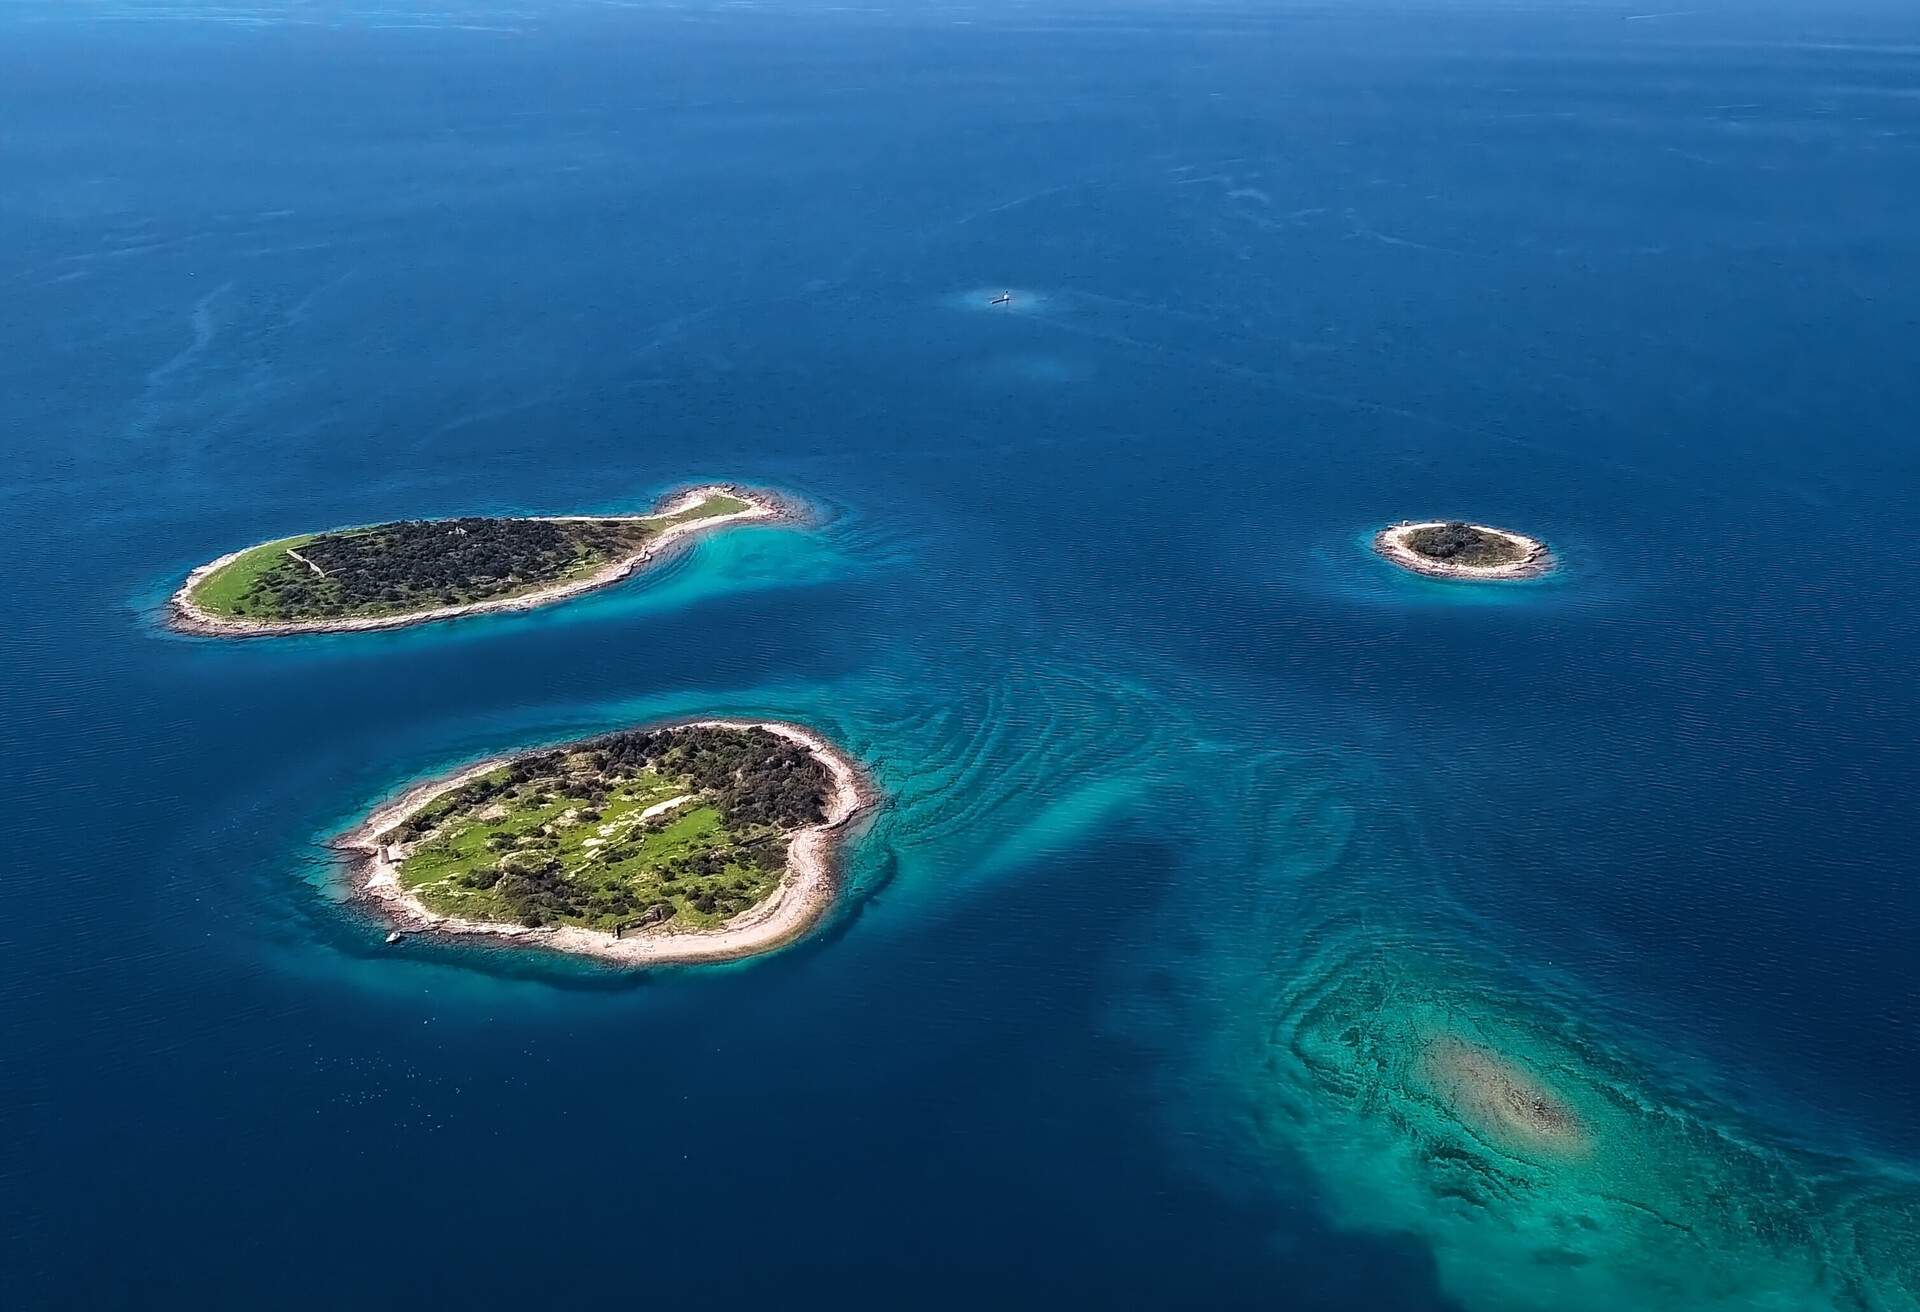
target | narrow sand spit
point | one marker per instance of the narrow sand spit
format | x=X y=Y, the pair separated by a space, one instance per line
x=802 y=897
x=188 y=617
x=1391 y=542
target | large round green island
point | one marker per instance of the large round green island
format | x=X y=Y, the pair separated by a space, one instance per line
x=708 y=840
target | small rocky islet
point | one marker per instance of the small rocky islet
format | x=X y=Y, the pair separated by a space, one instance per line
x=1456 y=549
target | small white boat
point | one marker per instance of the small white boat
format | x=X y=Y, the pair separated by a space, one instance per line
x=395 y=937
x=1004 y=298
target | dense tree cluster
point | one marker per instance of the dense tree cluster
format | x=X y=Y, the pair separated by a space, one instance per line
x=756 y=777
x=1462 y=544
x=416 y=564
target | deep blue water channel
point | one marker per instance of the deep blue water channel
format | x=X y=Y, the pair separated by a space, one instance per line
x=1205 y=826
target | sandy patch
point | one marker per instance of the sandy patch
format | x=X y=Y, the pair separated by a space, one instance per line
x=1499 y=1096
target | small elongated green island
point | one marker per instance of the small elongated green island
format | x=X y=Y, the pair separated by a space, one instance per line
x=704 y=841
x=1454 y=549
x=414 y=571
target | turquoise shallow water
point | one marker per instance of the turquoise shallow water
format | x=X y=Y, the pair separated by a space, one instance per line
x=1206 y=830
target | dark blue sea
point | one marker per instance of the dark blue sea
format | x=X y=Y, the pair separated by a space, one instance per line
x=1206 y=829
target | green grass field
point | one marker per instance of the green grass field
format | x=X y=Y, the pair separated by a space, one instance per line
x=569 y=846
x=221 y=591
x=712 y=508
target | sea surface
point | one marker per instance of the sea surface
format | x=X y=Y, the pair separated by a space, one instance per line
x=1205 y=829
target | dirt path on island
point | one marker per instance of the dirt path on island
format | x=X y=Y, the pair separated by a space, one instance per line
x=304 y=561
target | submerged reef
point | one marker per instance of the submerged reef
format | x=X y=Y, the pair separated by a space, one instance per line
x=1548 y=1168
x=1547 y=1146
